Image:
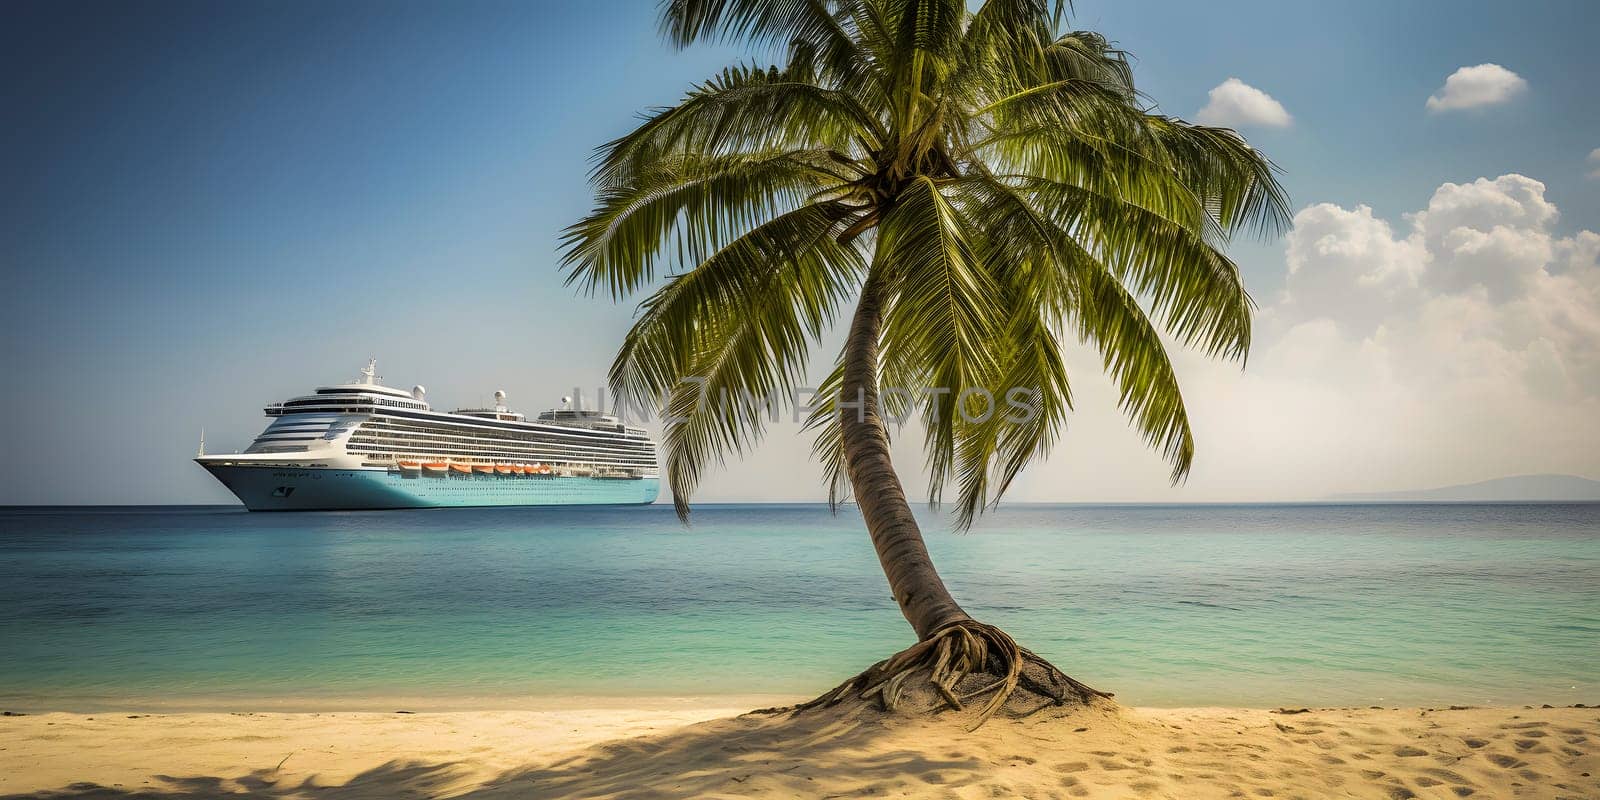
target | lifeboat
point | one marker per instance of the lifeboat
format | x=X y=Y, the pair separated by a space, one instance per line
x=465 y=469
x=527 y=469
x=483 y=469
x=436 y=466
x=544 y=469
x=505 y=469
x=408 y=466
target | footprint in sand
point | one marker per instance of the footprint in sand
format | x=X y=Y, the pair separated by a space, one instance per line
x=1407 y=751
x=1525 y=745
x=1505 y=761
x=1071 y=766
x=1463 y=791
x=1474 y=743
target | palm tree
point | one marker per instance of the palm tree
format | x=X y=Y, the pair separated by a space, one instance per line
x=984 y=186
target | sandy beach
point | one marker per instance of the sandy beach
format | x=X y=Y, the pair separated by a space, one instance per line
x=667 y=750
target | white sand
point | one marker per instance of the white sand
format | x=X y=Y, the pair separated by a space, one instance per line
x=655 y=752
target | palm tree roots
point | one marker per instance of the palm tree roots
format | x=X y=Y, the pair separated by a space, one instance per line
x=967 y=665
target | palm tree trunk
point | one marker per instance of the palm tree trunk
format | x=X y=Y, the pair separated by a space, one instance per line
x=916 y=585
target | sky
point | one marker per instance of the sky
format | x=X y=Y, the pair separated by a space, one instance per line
x=209 y=207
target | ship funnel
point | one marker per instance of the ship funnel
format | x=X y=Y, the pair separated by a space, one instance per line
x=418 y=392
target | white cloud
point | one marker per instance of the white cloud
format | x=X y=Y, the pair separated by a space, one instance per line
x=1347 y=267
x=1509 y=200
x=1474 y=87
x=1487 y=233
x=1472 y=341
x=1235 y=103
x=1594 y=158
x=1488 y=240
x=1458 y=343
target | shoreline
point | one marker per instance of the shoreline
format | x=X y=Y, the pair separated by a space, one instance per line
x=680 y=747
x=380 y=704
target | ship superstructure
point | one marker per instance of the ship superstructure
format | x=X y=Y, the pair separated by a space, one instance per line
x=363 y=445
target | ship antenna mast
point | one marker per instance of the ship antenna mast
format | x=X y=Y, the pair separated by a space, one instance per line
x=202 y=443
x=369 y=373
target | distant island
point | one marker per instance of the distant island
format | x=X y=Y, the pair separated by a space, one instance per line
x=1537 y=488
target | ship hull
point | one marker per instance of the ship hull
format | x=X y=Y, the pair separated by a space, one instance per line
x=278 y=488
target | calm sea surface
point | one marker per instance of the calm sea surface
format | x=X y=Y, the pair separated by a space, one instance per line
x=1165 y=605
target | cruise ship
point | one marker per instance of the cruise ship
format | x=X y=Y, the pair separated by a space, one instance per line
x=364 y=445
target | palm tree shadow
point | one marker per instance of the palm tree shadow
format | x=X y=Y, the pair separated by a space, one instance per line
x=727 y=757
x=401 y=780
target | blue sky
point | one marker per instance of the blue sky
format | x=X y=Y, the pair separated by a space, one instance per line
x=208 y=207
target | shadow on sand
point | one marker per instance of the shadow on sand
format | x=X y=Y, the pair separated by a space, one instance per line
x=726 y=758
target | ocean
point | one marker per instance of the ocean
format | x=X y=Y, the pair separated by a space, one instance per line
x=1237 y=605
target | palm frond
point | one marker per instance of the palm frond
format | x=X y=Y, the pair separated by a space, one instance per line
x=820 y=34
x=1195 y=287
x=1239 y=184
x=689 y=204
x=728 y=340
x=828 y=437
x=1086 y=55
x=747 y=109
x=925 y=39
x=944 y=313
x=815 y=22
x=1031 y=398
x=1133 y=355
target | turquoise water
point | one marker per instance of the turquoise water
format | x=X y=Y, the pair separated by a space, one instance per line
x=1164 y=605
